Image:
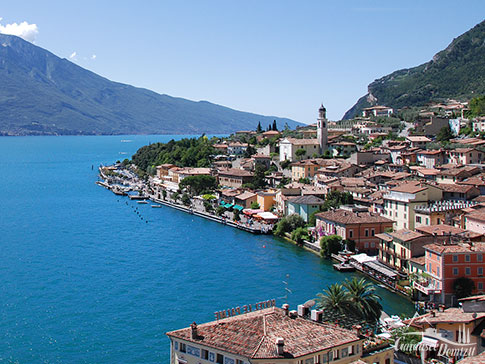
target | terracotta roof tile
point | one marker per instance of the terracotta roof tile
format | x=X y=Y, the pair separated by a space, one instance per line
x=253 y=335
x=348 y=217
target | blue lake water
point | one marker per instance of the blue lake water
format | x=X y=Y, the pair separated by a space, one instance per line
x=85 y=280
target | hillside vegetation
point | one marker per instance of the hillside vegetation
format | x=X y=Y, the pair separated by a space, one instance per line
x=457 y=72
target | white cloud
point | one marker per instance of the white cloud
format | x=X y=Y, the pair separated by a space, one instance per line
x=23 y=30
x=93 y=56
x=73 y=55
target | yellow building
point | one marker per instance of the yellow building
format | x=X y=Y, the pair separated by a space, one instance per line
x=266 y=199
x=264 y=334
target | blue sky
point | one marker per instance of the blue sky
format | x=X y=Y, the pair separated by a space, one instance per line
x=270 y=57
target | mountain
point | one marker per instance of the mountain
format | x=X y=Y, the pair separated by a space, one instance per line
x=42 y=94
x=457 y=72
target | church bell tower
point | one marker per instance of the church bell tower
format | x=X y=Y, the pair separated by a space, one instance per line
x=322 y=129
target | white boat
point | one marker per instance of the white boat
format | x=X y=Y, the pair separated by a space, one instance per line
x=142 y=202
x=157 y=206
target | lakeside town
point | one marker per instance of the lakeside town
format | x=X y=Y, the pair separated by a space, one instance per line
x=397 y=195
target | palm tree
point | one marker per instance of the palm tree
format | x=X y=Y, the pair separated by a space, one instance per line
x=334 y=299
x=363 y=298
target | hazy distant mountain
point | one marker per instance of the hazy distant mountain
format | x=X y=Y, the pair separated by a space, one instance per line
x=41 y=93
x=458 y=72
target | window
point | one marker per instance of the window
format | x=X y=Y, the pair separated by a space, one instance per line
x=427 y=221
x=480 y=286
x=480 y=271
x=455 y=271
x=351 y=233
x=468 y=271
x=220 y=359
x=479 y=258
x=418 y=219
x=373 y=232
x=366 y=232
x=182 y=348
x=310 y=361
x=467 y=258
x=438 y=271
x=455 y=258
x=239 y=361
x=204 y=354
x=344 y=352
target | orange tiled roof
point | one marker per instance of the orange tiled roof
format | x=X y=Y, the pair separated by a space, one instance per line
x=253 y=335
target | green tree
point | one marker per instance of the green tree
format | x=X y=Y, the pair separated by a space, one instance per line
x=299 y=234
x=333 y=299
x=285 y=164
x=350 y=244
x=220 y=211
x=406 y=338
x=300 y=153
x=259 y=129
x=476 y=106
x=330 y=244
x=237 y=215
x=254 y=205
x=463 y=287
x=164 y=194
x=305 y=180
x=259 y=181
x=185 y=199
x=275 y=127
x=444 y=134
x=363 y=298
x=250 y=150
x=199 y=183
x=288 y=224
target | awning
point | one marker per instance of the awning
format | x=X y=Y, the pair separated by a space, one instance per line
x=381 y=269
x=267 y=216
x=238 y=207
x=429 y=342
x=361 y=258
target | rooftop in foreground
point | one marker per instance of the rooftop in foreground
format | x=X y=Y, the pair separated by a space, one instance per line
x=254 y=334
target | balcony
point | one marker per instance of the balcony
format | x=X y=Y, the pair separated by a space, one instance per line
x=427 y=287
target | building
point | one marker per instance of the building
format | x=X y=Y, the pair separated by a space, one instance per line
x=236 y=148
x=245 y=199
x=400 y=202
x=342 y=148
x=439 y=212
x=270 y=335
x=430 y=125
x=457 y=175
x=377 y=111
x=454 y=333
x=465 y=156
x=459 y=192
x=266 y=199
x=289 y=146
x=304 y=169
x=445 y=263
x=322 y=129
x=304 y=206
x=430 y=158
x=233 y=177
x=361 y=227
x=418 y=141
x=398 y=247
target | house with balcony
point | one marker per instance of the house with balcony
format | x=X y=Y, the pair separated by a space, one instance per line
x=446 y=263
x=304 y=206
x=465 y=156
x=417 y=141
x=398 y=247
x=400 y=201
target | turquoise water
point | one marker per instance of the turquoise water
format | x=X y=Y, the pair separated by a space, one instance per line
x=85 y=280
